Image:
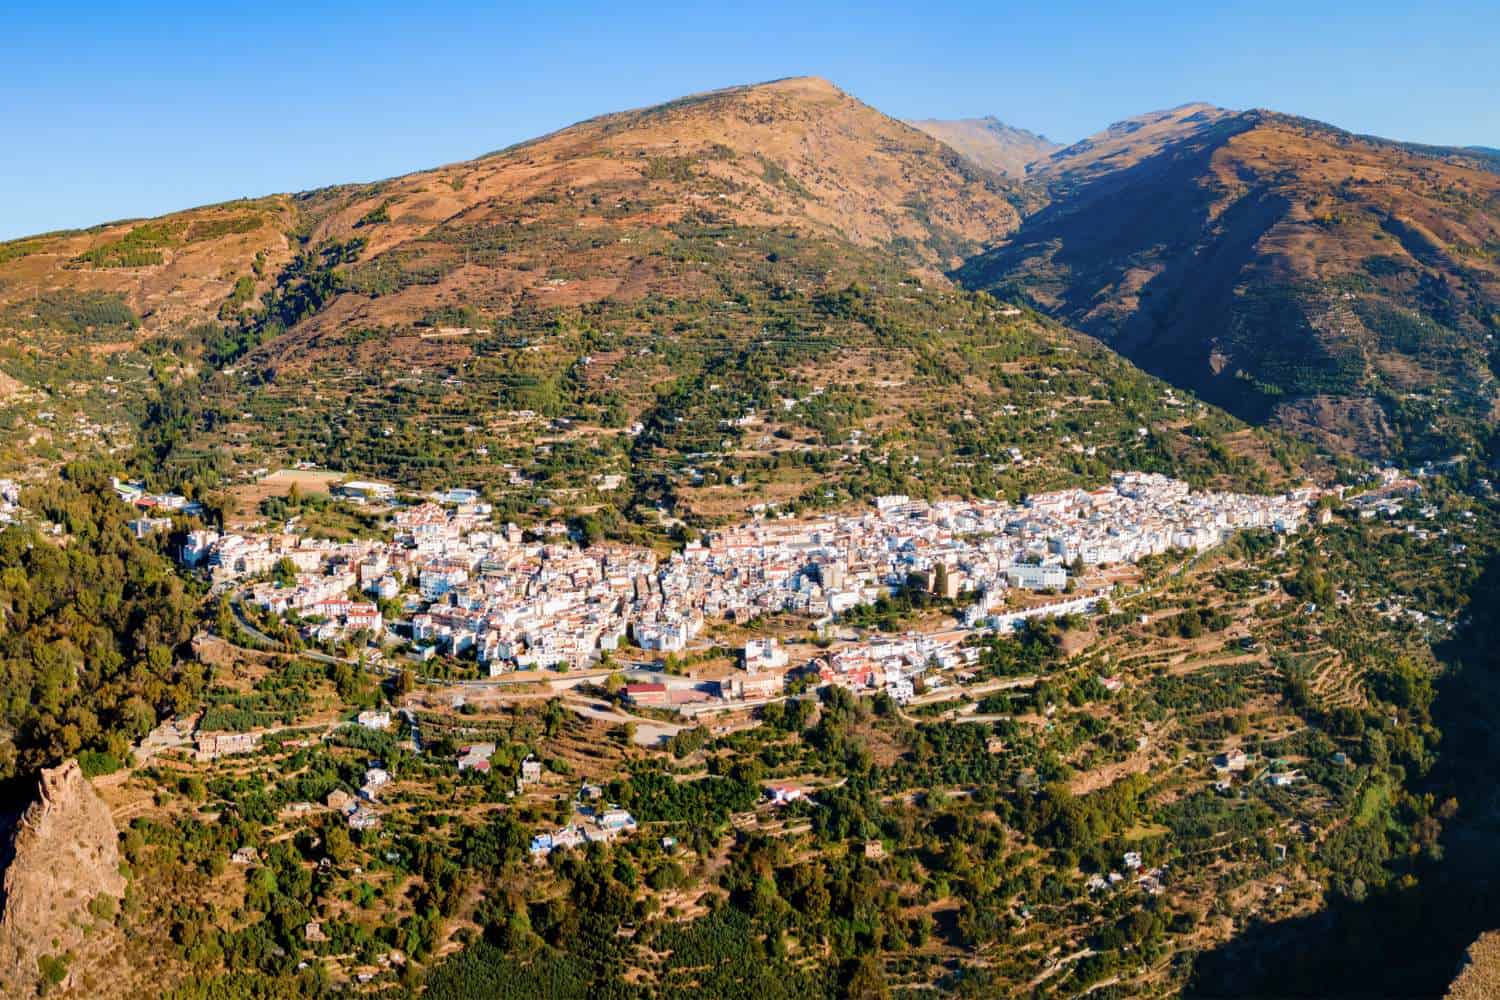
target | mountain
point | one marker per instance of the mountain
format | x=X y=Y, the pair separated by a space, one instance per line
x=794 y=151
x=1343 y=286
x=1275 y=714
x=1125 y=143
x=740 y=287
x=990 y=143
x=609 y=209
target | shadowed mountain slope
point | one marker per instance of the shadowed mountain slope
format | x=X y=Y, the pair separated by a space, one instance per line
x=1343 y=286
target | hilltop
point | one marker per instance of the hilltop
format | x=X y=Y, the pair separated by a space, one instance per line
x=1126 y=143
x=795 y=151
x=1342 y=286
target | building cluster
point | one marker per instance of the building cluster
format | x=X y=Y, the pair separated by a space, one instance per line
x=361 y=812
x=824 y=566
x=135 y=493
x=10 y=501
x=590 y=825
x=894 y=664
x=479 y=589
x=1149 y=880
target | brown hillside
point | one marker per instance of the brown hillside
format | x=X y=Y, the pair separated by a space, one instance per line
x=661 y=203
x=1344 y=286
x=1126 y=143
x=703 y=300
x=796 y=152
x=172 y=270
x=587 y=213
x=732 y=297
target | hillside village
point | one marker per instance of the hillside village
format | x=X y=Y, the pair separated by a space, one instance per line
x=723 y=549
x=471 y=588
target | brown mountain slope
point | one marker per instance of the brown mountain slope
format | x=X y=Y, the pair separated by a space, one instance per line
x=1344 y=286
x=76 y=307
x=725 y=291
x=733 y=298
x=1126 y=143
x=625 y=207
x=177 y=268
x=990 y=143
x=792 y=152
x=608 y=192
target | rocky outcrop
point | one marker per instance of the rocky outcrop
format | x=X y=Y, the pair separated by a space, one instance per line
x=1479 y=979
x=60 y=857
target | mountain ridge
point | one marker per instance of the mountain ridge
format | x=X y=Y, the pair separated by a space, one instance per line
x=1334 y=284
x=986 y=211
x=611 y=210
x=651 y=278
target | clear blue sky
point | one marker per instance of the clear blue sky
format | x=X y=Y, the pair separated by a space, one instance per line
x=112 y=111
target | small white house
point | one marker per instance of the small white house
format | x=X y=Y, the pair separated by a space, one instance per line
x=373 y=719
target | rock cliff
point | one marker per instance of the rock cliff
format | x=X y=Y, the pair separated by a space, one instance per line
x=1479 y=979
x=59 y=858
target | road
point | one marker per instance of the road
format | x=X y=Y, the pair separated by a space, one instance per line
x=950 y=693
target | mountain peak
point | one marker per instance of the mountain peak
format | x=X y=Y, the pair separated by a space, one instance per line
x=1183 y=115
x=1194 y=106
x=797 y=154
x=804 y=84
x=814 y=88
x=990 y=142
x=1133 y=139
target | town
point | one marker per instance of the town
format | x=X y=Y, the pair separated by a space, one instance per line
x=471 y=589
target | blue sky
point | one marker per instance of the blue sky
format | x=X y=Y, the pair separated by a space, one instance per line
x=108 y=112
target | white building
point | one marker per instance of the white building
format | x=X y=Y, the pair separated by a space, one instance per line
x=1030 y=577
x=372 y=719
x=764 y=654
